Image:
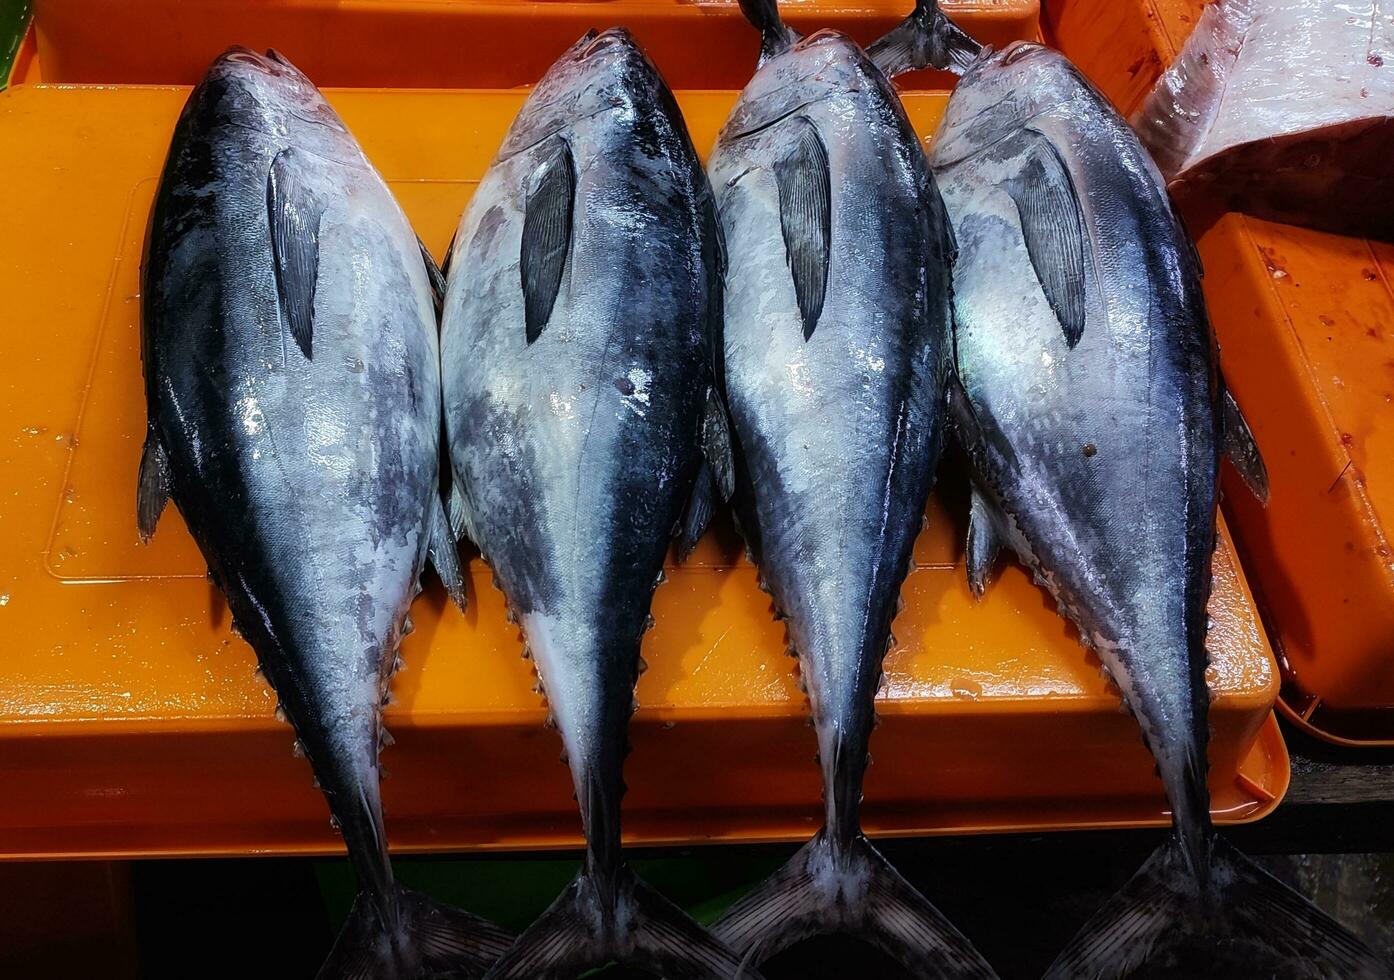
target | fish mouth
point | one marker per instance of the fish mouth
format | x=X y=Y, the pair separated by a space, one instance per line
x=824 y=35
x=1018 y=51
x=595 y=43
x=271 y=63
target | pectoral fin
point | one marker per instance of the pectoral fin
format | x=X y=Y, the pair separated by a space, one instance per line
x=294 y=209
x=1053 y=226
x=547 y=236
x=805 y=216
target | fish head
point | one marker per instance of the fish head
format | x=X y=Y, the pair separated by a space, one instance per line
x=253 y=68
x=604 y=71
x=823 y=65
x=1001 y=92
x=264 y=91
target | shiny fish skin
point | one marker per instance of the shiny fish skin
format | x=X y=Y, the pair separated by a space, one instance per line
x=839 y=433
x=576 y=374
x=308 y=480
x=1102 y=457
x=1087 y=395
x=836 y=315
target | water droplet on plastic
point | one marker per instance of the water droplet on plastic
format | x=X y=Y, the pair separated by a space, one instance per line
x=966 y=687
x=4 y=598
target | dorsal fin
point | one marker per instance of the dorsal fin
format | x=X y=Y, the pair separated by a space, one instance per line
x=294 y=209
x=547 y=236
x=434 y=276
x=805 y=216
x=1053 y=227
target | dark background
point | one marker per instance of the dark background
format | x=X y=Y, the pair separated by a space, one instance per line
x=1020 y=898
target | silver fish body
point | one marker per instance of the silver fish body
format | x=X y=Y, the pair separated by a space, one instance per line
x=1087 y=394
x=577 y=367
x=1096 y=402
x=837 y=310
x=293 y=396
x=839 y=430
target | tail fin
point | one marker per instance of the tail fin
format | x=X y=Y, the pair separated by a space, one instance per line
x=852 y=890
x=428 y=939
x=775 y=35
x=589 y=926
x=1248 y=924
x=925 y=39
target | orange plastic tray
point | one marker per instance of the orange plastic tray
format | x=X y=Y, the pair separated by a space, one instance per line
x=130 y=720
x=1305 y=321
x=448 y=43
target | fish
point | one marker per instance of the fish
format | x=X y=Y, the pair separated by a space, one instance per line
x=836 y=316
x=583 y=295
x=292 y=388
x=1086 y=393
x=1283 y=109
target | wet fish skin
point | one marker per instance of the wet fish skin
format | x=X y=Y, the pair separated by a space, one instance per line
x=838 y=432
x=1087 y=395
x=1075 y=441
x=293 y=394
x=577 y=367
x=836 y=316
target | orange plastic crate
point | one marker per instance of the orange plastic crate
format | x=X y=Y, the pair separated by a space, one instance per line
x=130 y=720
x=449 y=43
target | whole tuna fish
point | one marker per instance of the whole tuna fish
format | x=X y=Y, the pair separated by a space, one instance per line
x=293 y=396
x=836 y=314
x=1086 y=394
x=583 y=293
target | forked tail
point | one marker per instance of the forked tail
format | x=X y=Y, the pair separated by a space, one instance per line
x=849 y=889
x=594 y=922
x=412 y=938
x=925 y=39
x=775 y=36
x=1245 y=925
